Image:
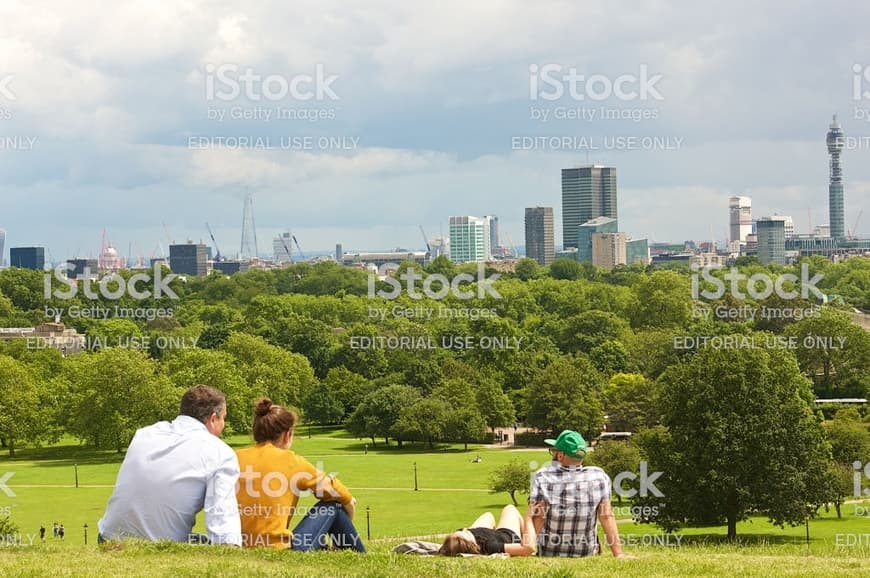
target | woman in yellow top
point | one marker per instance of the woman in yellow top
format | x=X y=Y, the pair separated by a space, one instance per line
x=272 y=478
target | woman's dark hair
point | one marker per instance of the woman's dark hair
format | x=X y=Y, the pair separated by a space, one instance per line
x=200 y=401
x=271 y=421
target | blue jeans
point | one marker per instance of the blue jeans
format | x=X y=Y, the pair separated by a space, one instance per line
x=322 y=520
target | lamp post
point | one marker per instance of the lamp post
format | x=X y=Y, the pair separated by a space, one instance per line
x=416 y=488
x=86 y=534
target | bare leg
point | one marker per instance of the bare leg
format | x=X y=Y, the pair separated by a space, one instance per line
x=486 y=520
x=510 y=518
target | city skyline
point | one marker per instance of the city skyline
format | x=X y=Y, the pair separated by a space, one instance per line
x=388 y=126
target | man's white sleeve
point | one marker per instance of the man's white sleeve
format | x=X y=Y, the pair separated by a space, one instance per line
x=221 y=508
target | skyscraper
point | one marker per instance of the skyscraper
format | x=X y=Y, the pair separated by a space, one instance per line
x=281 y=252
x=494 y=241
x=740 y=209
x=771 y=240
x=469 y=239
x=2 y=247
x=587 y=193
x=248 y=249
x=540 y=244
x=836 y=211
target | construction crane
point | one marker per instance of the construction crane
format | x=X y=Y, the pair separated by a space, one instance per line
x=301 y=254
x=217 y=249
x=425 y=240
x=853 y=233
x=287 y=248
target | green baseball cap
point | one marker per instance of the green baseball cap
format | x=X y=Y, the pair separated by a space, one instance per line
x=569 y=442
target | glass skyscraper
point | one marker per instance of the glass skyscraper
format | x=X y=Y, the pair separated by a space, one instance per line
x=587 y=193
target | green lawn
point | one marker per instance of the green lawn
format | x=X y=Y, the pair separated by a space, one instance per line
x=452 y=492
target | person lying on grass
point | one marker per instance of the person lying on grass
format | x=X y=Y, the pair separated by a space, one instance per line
x=513 y=536
x=271 y=480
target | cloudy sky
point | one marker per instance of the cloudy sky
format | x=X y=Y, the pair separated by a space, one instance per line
x=356 y=122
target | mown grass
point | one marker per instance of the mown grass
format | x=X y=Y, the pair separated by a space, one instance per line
x=452 y=492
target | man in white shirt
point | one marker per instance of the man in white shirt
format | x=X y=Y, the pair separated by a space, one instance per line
x=173 y=470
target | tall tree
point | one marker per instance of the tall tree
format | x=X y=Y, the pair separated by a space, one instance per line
x=741 y=438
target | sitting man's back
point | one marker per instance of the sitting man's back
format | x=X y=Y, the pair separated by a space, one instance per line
x=567 y=499
x=173 y=470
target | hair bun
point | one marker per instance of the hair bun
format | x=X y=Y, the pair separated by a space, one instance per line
x=263 y=406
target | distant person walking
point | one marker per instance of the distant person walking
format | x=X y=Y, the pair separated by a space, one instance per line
x=42 y=533
x=54 y=530
x=60 y=532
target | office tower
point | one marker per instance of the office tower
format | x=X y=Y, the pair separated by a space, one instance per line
x=469 y=239
x=27 y=257
x=771 y=240
x=494 y=242
x=587 y=193
x=281 y=252
x=787 y=223
x=2 y=247
x=836 y=211
x=740 y=209
x=585 y=232
x=188 y=259
x=540 y=244
x=248 y=250
x=609 y=249
x=339 y=252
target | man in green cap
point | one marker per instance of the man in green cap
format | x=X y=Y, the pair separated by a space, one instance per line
x=567 y=499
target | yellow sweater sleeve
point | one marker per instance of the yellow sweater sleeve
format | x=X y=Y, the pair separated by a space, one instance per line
x=326 y=488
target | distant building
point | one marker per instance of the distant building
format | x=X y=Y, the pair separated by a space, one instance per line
x=637 y=252
x=494 y=241
x=2 y=248
x=188 y=259
x=379 y=259
x=740 y=210
x=822 y=231
x=836 y=210
x=540 y=242
x=281 y=248
x=587 y=193
x=82 y=267
x=787 y=223
x=56 y=335
x=339 y=251
x=231 y=267
x=585 y=232
x=609 y=249
x=469 y=239
x=771 y=240
x=708 y=260
x=27 y=257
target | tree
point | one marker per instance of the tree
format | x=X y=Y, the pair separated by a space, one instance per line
x=322 y=405
x=616 y=457
x=837 y=363
x=348 y=387
x=663 y=300
x=424 y=421
x=464 y=425
x=850 y=440
x=512 y=477
x=526 y=269
x=494 y=405
x=741 y=438
x=25 y=405
x=114 y=392
x=379 y=410
x=630 y=401
x=568 y=269
x=838 y=485
x=564 y=396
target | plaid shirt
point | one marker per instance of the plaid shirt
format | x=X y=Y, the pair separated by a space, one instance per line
x=572 y=495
